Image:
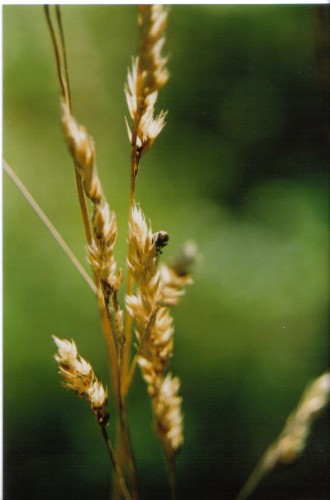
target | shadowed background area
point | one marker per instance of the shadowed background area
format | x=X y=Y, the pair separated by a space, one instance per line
x=241 y=169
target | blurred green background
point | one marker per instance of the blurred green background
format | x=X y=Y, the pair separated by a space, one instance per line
x=241 y=169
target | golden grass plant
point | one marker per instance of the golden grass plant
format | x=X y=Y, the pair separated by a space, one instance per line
x=152 y=287
x=150 y=291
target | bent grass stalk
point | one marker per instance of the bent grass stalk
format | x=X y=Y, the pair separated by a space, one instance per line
x=50 y=226
x=65 y=92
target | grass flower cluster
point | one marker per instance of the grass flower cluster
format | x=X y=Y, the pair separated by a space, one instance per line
x=151 y=289
x=79 y=377
x=139 y=330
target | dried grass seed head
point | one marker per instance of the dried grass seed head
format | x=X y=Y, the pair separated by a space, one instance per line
x=147 y=126
x=157 y=346
x=169 y=419
x=81 y=147
x=78 y=376
x=147 y=76
x=292 y=440
x=101 y=250
x=67 y=351
x=142 y=249
x=98 y=395
x=152 y=65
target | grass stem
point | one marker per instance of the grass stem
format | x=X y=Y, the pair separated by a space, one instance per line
x=51 y=228
x=119 y=476
x=171 y=476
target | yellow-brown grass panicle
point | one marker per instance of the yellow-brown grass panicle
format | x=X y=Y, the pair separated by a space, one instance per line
x=142 y=262
x=101 y=250
x=166 y=405
x=156 y=348
x=102 y=259
x=81 y=147
x=152 y=322
x=101 y=247
x=157 y=290
x=147 y=76
x=154 y=327
x=142 y=258
x=152 y=65
x=168 y=415
x=79 y=377
x=293 y=439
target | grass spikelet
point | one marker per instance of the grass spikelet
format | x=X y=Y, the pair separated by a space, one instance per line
x=147 y=76
x=157 y=346
x=81 y=147
x=169 y=420
x=101 y=247
x=101 y=250
x=157 y=289
x=141 y=260
x=78 y=376
x=152 y=65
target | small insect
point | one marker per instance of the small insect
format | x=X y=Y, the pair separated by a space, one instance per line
x=160 y=239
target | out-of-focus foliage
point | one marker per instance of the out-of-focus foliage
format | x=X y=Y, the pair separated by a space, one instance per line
x=241 y=169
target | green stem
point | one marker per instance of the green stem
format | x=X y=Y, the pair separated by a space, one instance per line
x=117 y=469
